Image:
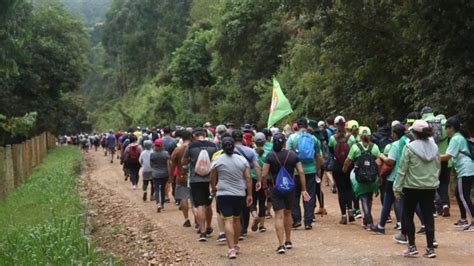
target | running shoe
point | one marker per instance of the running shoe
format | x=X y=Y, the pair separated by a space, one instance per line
x=187 y=223
x=209 y=231
x=268 y=215
x=389 y=219
x=281 y=250
x=231 y=254
x=351 y=216
x=167 y=200
x=296 y=225
x=255 y=223
x=469 y=228
x=196 y=226
x=288 y=244
x=237 y=249
x=202 y=237
x=221 y=238
x=398 y=226
x=242 y=236
x=376 y=229
x=357 y=214
x=308 y=227
x=411 y=251
x=134 y=187
x=461 y=223
x=435 y=243
x=262 y=229
x=446 y=212
x=400 y=239
x=430 y=253
x=158 y=208
x=343 y=219
x=144 y=196
x=421 y=231
x=334 y=189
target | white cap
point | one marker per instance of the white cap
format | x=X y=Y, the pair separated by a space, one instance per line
x=395 y=122
x=339 y=120
x=321 y=123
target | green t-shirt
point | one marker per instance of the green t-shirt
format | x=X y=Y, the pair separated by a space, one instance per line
x=261 y=160
x=393 y=155
x=292 y=143
x=463 y=164
x=350 y=141
x=355 y=151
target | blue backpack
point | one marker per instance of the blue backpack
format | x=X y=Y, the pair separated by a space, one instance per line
x=284 y=182
x=305 y=147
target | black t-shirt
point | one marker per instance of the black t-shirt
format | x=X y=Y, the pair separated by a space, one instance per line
x=192 y=153
x=290 y=164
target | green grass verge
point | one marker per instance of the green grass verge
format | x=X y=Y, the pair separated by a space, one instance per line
x=41 y=222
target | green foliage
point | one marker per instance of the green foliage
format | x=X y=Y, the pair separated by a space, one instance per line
x=18 y=126
x=361 y=59
x=41 y=221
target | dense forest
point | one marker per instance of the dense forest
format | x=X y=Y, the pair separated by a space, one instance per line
x=120 y=63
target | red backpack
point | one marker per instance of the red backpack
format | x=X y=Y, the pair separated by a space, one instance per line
x=341 y=151
x=133 y=154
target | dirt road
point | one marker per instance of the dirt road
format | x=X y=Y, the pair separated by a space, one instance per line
x=328 y=242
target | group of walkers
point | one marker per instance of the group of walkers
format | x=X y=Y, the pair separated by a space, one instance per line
x=408 y=164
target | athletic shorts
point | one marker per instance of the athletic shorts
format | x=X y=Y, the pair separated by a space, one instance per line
x=111 y=149
x=282 y=201
x=200 y=193
x=182 y=192
x=230 y=206
x=147 y=176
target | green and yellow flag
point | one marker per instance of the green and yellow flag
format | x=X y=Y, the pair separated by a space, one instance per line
x=280 y=106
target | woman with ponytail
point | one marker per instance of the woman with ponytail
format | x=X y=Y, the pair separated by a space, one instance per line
x=282 y=203
x=459 y=151
x=233 y=173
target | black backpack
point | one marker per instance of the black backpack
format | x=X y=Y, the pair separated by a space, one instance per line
x=470 y=147
x=365 y=168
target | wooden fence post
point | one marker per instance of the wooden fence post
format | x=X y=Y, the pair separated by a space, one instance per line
x=17 y=164
x=24 y=159
x=10 y=180
x=3 y=189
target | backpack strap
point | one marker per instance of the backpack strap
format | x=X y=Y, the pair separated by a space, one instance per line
x=241 y=152
x=276 y=157
x=369 y=149
x=361 y=148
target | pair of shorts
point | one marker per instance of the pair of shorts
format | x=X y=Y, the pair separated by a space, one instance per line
x=282 y=201
x=200 y=193
x=230 y=206
x=182 y=192
x=146 y=176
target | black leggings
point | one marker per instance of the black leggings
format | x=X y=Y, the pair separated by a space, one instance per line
x=344 y=188
x=463 y=196
x=319 y=194
x=425 y=198
x=258 y=196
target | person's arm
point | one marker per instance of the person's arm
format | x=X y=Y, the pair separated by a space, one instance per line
x=445 y=157
x=299 y=168
x=170 y=171
x=266 y=169
x=248 y=180
x=402 y=171
x=347 y=163
x=213 y=177
x=186 y=157
x=319 y=163
x=258 y=172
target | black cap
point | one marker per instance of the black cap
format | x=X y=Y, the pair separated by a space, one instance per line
x=227 y=141
x=399 y=129
x=381 y=121
x=426 y=110
x=267 y=132
x=247 y=128
x=199 y=130
x=302 y=122
x=278 y=137
x=453 y=122
x=237 y=135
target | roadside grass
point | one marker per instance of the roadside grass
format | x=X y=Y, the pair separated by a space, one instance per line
x=42 y=222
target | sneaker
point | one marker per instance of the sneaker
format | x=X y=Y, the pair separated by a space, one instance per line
x=446 y=211
x=334 y=189
x=435 y=243
x=209 y=231
x=469 y=228
x=308 y=227
x=343 y=219
x=167 y=200
x=411 y=251
x=221 y=238
x=461 y=223
x=196 y=226
x=187 y=223
x=398 y=226
x=231 y=254
x=268 y=215
x=177 y=203
x=134 y=187
x=242 y=236
x=400 y=239
x=430 y=253
x=237 y=249
x=377 y=229
x=288 y=244
x=144 y=196
x=202 y=237
x=421 y=231
x=435 y=215
x=255 y=223
x=262 y=229
x=158 y=208
x=351 y=216
x=389 y=219
x=296 y=225
x=281 y=250
x=357 y=214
